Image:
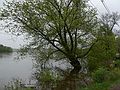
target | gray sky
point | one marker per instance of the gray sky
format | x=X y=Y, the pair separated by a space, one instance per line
x=113 y=5
x=15 y=42
x=9 y=39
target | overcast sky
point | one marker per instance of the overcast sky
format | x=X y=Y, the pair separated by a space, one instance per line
x=113 y=5
x=8 y=39
x=15 y=42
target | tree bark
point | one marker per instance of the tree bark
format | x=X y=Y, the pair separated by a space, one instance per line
x=69 y=82
x=77 y=67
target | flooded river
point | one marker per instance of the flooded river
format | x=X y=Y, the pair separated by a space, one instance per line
x=12 y=68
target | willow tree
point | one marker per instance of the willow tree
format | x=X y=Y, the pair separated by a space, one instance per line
x=60 y=29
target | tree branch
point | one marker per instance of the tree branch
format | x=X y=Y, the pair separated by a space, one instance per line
x=88 y=50
x=42 y=34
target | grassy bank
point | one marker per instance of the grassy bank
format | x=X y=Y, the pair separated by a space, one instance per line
x=110 y=85
x=113 y=83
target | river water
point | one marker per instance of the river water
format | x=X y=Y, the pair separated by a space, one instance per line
x=12 y=68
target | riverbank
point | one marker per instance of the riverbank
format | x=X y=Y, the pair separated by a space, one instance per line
x=5 y=49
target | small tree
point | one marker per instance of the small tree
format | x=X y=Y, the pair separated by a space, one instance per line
x=104 y=52
x=60 y=29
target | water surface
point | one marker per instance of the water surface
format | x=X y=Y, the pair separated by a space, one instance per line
x=11 y=68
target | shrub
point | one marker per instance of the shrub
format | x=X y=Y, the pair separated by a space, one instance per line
x=117 y=63
x=100 y=75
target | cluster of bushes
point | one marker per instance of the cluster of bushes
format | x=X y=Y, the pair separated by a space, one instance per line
x=104 y=79
x=5 y=49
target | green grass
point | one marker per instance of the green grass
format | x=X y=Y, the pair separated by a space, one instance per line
x=27 y=89
x=98 y=86
x=106 y=85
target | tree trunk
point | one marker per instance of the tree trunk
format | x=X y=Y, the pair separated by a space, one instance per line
x=77 y=67
x=70 y=81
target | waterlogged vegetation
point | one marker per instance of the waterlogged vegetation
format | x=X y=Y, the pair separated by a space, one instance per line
x=71 y=31
x=99 y=80
x=16 y=84
x=5 y=49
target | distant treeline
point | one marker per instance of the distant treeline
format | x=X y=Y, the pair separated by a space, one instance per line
x=5 y=49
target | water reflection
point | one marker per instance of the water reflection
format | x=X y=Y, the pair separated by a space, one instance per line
x=5 y=55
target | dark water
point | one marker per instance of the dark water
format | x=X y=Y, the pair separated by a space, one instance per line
x=11 y=68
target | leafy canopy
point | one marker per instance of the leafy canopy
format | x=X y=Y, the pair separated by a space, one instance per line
x=60 y=29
